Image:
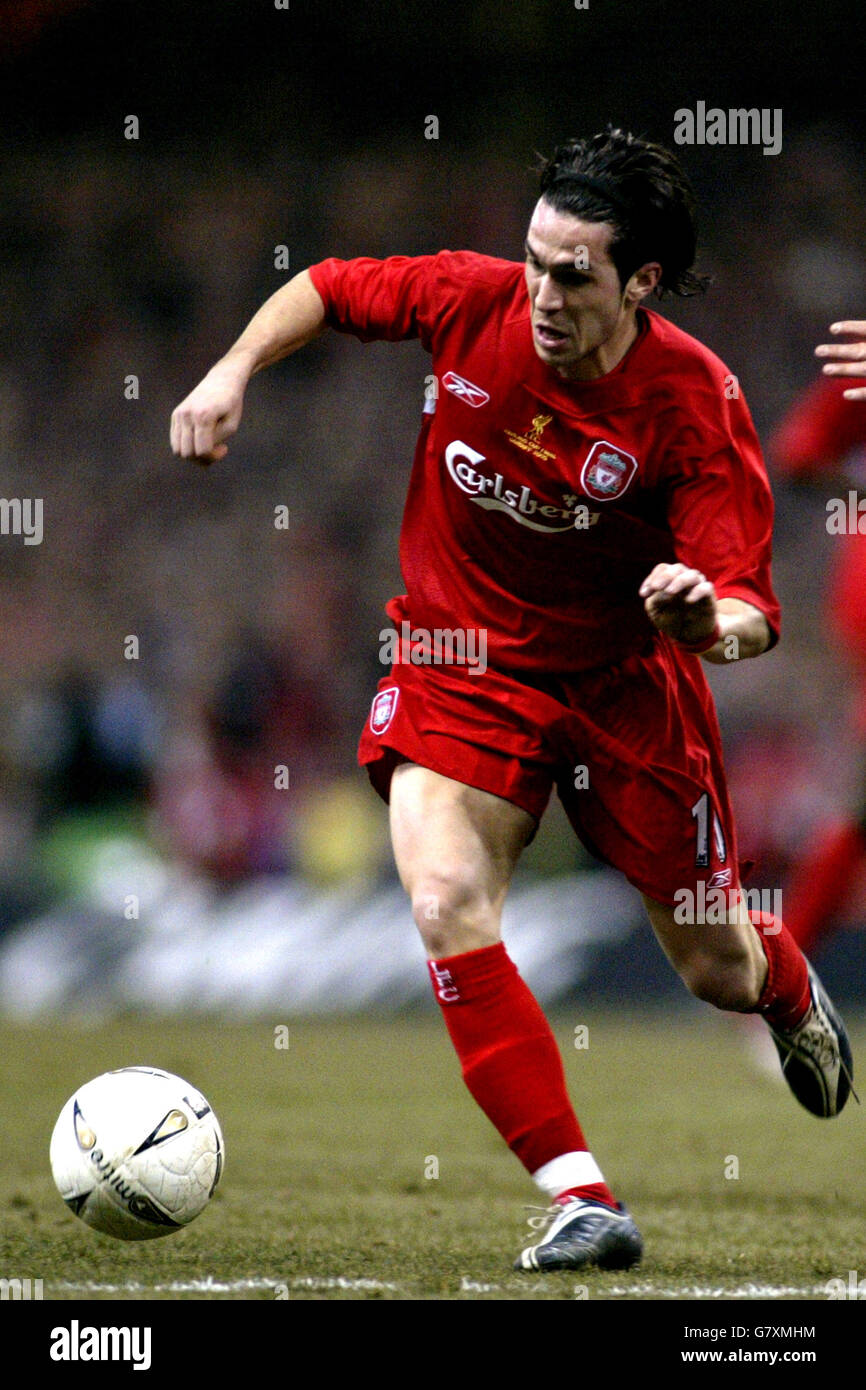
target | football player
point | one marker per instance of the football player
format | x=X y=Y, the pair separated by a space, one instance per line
x=587 y=501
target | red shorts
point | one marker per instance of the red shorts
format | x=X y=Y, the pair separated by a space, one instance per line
x=633 y=750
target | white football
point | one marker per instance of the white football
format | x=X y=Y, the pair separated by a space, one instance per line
x=137 y=1153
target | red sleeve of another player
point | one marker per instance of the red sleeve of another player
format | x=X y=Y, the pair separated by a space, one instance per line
x=391 y=299
x=819 y=431
x=720 y=512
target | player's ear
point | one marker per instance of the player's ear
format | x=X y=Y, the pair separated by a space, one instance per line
x=642 y=283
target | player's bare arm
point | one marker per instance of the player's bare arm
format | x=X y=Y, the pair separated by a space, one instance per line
x=682 y=602
x=210 y=415
x=847 y=359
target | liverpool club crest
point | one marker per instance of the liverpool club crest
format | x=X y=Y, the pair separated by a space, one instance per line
x=383 y=709
x=607 y=471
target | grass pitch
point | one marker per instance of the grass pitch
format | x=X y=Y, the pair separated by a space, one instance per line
x=359 y=1168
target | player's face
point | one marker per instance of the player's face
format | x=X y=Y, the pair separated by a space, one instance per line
x=582 y=317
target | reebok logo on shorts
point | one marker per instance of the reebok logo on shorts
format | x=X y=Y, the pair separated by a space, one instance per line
x=383 y=709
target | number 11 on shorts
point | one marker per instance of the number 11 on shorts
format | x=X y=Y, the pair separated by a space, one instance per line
x=701 y=813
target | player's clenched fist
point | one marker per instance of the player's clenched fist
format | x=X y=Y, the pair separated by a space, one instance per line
x=847 y=359
x=209 y=416
x=681 y=602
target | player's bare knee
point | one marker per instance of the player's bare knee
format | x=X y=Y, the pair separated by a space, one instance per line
x=451 y=911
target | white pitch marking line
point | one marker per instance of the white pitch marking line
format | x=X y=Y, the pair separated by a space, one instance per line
x=767 y=1291
x=696 y=1291
x=234 y=1286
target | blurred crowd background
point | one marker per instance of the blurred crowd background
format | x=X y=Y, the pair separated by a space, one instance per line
x=256 y=645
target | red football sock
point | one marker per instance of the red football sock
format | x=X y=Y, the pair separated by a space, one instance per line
x=821 y=883
x=786 y=997
x=512 y=1067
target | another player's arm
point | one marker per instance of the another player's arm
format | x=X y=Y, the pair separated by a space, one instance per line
x=682 y=602
x=850 y=358
x=211 y=413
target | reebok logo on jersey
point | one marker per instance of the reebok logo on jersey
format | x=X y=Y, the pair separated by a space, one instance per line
x=467 y=392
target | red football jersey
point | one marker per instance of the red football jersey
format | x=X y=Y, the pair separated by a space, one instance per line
x=537 y=506
x=823 y=432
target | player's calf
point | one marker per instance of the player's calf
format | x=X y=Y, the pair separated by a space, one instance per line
x=729 y=984
x=722 y=963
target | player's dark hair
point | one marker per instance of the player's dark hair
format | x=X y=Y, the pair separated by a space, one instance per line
x=642 y=191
